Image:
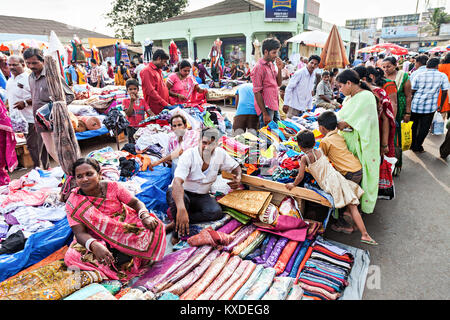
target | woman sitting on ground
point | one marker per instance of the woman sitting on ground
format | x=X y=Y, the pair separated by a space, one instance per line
x=114 y=232
x=182 y=85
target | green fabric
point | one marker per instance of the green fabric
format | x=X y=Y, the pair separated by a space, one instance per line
x=360 y=112
x=401 y=109
x=242 y=218
x=252 y=246
x=207 y=120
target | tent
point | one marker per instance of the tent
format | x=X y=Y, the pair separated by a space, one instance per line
x=314 y=38
x=334 y=54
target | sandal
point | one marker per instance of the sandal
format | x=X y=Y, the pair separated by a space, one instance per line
x=370 y=242
x=338 y=228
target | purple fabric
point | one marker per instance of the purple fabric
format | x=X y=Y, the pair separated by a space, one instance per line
x=241 y=235
x=230 y=226
x=291 y=261
x=3 y=231
x=288 y=227
x=164 y=268
x=269 y=247
x=275 y=254
x=10 y=219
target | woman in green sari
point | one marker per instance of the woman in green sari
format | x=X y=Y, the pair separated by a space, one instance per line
x=358 y=124
x=404 y=99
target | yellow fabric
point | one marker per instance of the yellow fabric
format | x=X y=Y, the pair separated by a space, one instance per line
x=406 y=135
x=280 y=109
x=335 y=148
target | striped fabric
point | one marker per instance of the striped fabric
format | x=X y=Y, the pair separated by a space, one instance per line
x=264 y=78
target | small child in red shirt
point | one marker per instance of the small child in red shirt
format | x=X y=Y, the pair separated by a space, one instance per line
x=135 y=108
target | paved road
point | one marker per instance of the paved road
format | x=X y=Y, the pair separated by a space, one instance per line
x=413 y=258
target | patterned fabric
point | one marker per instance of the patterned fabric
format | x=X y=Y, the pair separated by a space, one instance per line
x=51 y=282
x=140 y=110
x=386 y=108
x=264 y=78
x=427 y=86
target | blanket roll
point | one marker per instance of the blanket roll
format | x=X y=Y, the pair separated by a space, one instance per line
x=92 y=123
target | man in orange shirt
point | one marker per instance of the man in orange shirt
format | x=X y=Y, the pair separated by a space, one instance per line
x=156 y=93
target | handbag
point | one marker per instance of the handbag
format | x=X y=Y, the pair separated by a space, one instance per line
x=386 y=188
x=406 y=129
x=44 y=116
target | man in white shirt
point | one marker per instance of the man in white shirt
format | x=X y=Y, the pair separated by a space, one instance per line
x=370 y=62
x=299 y=92
x=139 y=68
x=19 y=99
x=189 y=197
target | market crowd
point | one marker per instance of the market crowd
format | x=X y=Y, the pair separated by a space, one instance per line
x=362 y=108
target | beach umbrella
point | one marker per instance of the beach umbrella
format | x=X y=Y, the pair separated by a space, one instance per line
x=440 y=49
x=66 y=143
x=388 y=47
x=314 y=38
x=371 y=49
x=334 y=54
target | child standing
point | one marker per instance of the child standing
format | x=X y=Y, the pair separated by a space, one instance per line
x=344 y=192
x=135 y=109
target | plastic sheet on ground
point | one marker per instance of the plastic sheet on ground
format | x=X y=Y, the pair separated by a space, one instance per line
x=91 y=133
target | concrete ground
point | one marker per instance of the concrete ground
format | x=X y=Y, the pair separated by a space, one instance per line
x=412 y=260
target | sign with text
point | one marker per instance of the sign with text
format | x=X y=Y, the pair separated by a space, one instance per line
x=400 y=32
x=280 y=11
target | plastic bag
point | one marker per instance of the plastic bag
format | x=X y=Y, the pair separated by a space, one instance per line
x=289 y=207
x=437 y=127
x=406 y=135
x=18 y=122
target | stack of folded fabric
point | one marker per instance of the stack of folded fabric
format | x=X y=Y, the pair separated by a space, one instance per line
x=234 y=148
x=326 y=272
x=250 y=203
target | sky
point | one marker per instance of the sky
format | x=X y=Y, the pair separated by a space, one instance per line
x=89 y=14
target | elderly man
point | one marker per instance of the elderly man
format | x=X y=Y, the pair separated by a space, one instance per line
x=40 y=95
x=19 y=97
x=189 y=197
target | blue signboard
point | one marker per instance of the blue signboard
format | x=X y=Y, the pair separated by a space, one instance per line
x=280 y=11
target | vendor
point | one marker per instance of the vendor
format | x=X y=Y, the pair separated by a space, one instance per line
x=180 y=140
x=198 y=168
x=182 y=84
x=114 y=232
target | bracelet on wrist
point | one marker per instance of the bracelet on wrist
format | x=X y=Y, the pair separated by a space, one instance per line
x=143 y=213
x=89 y=243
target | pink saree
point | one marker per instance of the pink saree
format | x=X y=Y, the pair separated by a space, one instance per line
x=116 y=226
x=8 y=158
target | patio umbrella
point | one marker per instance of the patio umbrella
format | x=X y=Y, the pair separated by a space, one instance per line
x=334 y=54
x=314 y=38
x=388 y=47
x=66 y=143
x=371 y=49
x=440 y=49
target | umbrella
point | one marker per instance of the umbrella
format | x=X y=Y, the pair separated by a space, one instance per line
x=314 y=38
x=371 y=49
x=389 y=47
x=440 y=49
x=334 y=54
x=66 y=143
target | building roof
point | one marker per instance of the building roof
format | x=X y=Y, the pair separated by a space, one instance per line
x=221 y=8
x=21 y=25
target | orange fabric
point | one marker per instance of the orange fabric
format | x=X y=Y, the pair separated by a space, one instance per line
x=444 y=68
x=58 y=255
x=307 y=255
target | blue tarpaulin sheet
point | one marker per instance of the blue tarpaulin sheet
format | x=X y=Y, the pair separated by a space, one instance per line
x=91 y=133
x=37 y=247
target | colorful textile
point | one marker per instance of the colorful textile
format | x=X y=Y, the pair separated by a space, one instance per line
x=236 y=286
x=280 y=289
x=286 y=226
x=302 y=264
x=243 y=264
x=224 y=275
x=93 y=291
x=112 y=222
x=285 y=256
x=295 y=293
x=179 y=287
x=50 y=282
x=253 y=245
x=299 y=258
x=360 y=112
x=140 y=110
x=7 y=146
x=185 y=87
x=250 y=203
x=240 y=217
x=276 y=252
x=252 y=237
x=291 y=261
x=251 y=280
x=267 y=250
x=240 y=236
x=230 y=226
x=211 y=238
x=208 y=277
x=164 y=268
x=261 y=286
x=184 y=269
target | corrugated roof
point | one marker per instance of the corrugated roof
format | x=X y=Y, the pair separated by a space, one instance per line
x=221 y=8
x=21 y=25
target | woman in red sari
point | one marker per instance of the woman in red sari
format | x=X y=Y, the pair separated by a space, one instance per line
x=114 y=232
x=380 y=86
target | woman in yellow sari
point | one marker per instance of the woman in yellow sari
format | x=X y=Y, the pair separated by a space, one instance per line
x=122 y=74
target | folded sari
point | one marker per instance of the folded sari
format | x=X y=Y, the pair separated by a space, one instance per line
x=253 y=245
x=93 y=291
x=295 y=293
x=291 y=261
x=240 y=236
x=179 y=287
x=249 y=282
x=280 y=289
x=252 y=237
x=243 y=265
x=299 y=258
x=285 y=256
x=240 y=217
x=213 y=271
x=230 y=226
x=276 y=252
x=211 y=238
x=50 y=282
x=250 y=203
x=267 y=250
x=224 y=275
x=261 y=286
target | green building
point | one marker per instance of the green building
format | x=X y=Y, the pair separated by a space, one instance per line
x=235 y=22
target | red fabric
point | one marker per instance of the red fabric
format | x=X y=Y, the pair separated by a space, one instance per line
x=290 y=164
x=386 y=180
x=264 y=78
x=389 y=112
x=345 y=257
x=156 y=93
x=139 y=113
x=211 y=238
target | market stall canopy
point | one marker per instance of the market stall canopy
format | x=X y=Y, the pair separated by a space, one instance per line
x=334 y=54
x=440 y=49
x=25 y=43
x=388 y=47
x=314 y=38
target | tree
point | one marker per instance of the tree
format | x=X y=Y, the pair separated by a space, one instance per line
x=126 y=14
x=438 y=18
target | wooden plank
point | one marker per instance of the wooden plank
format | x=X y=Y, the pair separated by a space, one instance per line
x=274 y=186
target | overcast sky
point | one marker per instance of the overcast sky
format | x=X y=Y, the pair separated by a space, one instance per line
x=89 y=14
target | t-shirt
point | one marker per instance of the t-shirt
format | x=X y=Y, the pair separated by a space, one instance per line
x=246 y=100
x=323 y=89
x=190 y=169
x=335 y=148
x=140 y=109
